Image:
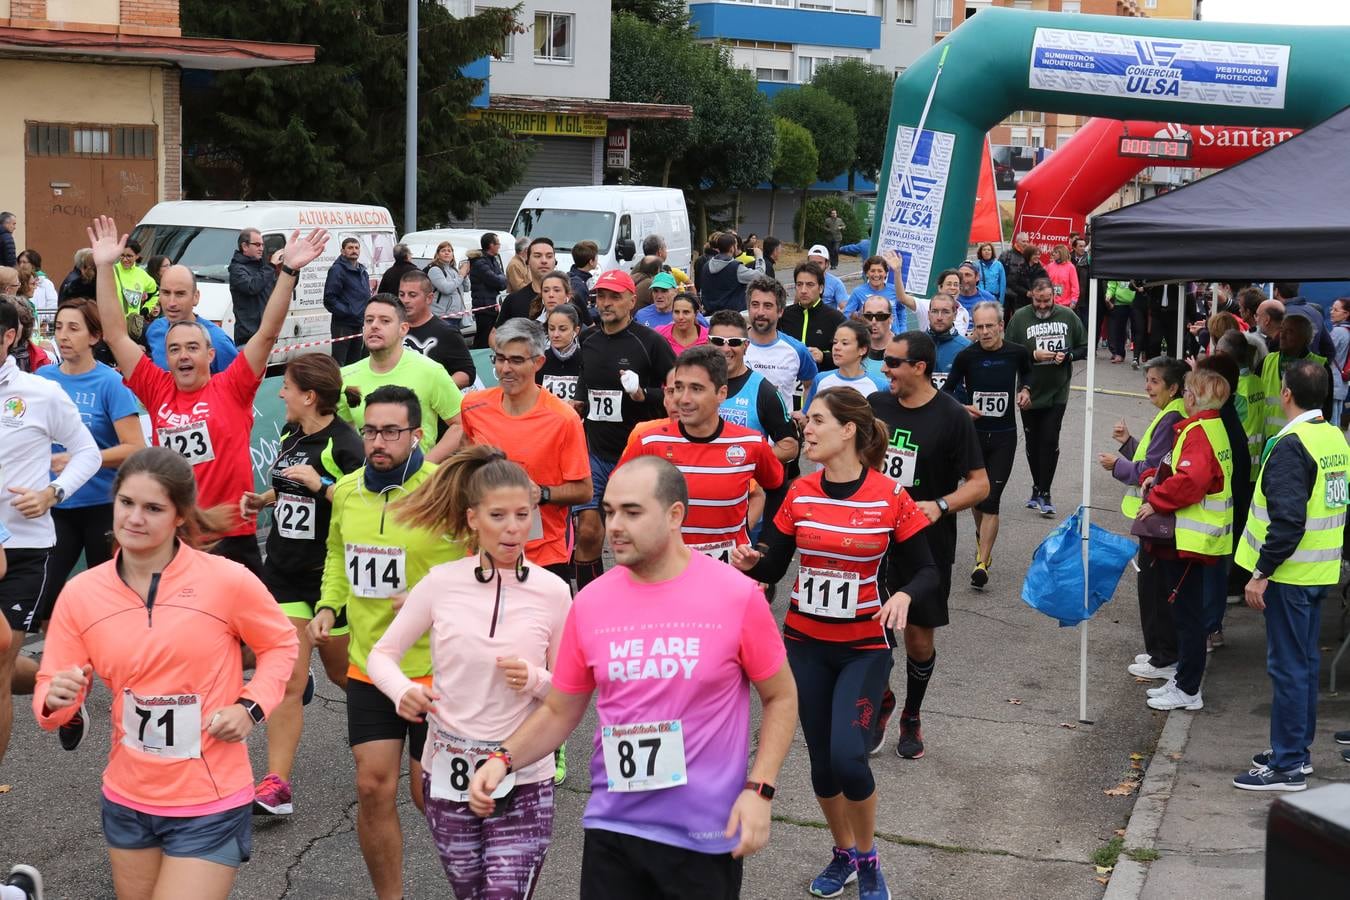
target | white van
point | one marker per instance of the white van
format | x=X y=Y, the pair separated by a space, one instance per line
x=203 y=235
x=617 y=217
x=423 y=244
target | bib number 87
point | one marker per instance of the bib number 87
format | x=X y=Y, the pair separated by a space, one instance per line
x=628 y=765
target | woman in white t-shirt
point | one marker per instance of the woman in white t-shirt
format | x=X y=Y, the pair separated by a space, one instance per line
x=849 y=351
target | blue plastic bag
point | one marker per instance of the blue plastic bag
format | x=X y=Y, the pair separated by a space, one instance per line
x=1054 y=582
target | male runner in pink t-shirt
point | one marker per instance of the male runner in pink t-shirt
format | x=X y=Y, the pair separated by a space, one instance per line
x=672 y=641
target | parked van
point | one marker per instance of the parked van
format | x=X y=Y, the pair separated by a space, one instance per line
x=423 y=244
x=617 y=217
x=203 y=235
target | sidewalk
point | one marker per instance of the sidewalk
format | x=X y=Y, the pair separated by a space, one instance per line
x=1210 y=838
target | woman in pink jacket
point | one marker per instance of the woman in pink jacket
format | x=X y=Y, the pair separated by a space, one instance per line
x=161 y=624
x=495 y=623
x=1064 y=276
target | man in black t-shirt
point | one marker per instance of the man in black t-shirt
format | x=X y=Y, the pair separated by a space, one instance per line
x=933 y=447
x=541 y=260
x=992 y=375
x=430 y=336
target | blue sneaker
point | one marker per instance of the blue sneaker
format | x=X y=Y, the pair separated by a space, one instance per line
x=1034 y=501
x=1047 y=508
x=871 y=883
x=842 y=870
x=1265 y=757
x=1264 y=778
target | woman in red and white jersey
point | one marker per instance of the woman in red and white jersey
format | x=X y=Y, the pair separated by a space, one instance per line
x=846 y=519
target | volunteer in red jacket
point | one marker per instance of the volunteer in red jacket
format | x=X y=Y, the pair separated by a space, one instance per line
x=205 y=418
x=161 y=624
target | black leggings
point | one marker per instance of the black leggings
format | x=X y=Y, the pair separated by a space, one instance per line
x=84 y=530
x=1000 y=449
x=1041 y=427
x=838 y=697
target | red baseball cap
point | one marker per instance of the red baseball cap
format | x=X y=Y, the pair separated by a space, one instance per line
x=616 y=280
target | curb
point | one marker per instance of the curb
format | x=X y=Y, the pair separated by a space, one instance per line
x=1128 y=877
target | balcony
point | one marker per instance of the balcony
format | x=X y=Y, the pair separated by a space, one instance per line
x=786 y=25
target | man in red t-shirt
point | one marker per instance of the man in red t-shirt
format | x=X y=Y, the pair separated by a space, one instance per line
x=208 y=419
x=718 y=460
x=537 y=430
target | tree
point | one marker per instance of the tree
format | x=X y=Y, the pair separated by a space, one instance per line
x=867 y=91
x=832 y=126
x=671 y=13
x=795 y=164
x=335 y=129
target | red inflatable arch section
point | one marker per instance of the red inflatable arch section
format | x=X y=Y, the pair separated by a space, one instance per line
x=1055 y=198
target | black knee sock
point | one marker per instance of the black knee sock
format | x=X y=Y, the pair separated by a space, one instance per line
x=588 y=571
x=917 y=675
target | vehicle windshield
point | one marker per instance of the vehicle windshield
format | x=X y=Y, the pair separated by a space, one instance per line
x=206 y=251
x=566 y=227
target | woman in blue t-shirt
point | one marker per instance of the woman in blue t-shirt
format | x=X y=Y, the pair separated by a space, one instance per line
x=109 y=410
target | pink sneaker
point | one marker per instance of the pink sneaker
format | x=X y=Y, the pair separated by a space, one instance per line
x=273 y=795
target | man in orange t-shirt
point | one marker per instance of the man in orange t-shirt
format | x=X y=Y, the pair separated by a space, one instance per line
x=537 y=430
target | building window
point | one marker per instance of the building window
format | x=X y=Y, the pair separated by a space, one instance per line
x=1038 y=137
x=506 y=50
x=942 y=16
x=1017 y=137
x=1026 y=117
x=768 y=60
x=1071 y=6
x=1021 y=4
x=1150 y=4
x=904 y=12
x=113 y=141
x=553 y=37
x=845 y=6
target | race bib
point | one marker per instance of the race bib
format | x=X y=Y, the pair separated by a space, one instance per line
x=192 y=442
x=720 y=551
x=295 y=517
x=646 y=756
x=564 y=387
x=453 y=763
x=1337 y=496
x=606 y=406
x=900 y=465
x=1055 y=343
x=827 y=592
x=1059 y=290
x=991 y=403
x=168 y=726
x=376 y=571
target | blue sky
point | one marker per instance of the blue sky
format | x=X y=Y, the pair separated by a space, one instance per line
x=1283 y=12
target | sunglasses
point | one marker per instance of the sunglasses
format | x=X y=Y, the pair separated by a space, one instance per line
x=876 y=317
x=895 y=362
x=719 y=341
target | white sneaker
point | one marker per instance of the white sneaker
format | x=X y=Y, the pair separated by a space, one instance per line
x=1176 y=698
x=1162 y=688
x=1146 y=669
x=1142 y=657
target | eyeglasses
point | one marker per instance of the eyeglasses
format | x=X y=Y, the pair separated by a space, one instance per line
x=718 y=341
x=895 y=362
x=499 y=358
x=253 y=244
x=389 y=433
x=876 y=317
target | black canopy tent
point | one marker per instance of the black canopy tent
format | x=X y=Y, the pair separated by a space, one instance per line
x=1282 y=215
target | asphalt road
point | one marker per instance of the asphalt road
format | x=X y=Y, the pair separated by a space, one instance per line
x=1008 y=802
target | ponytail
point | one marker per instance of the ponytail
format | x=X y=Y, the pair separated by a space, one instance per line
x=443 y=502
x=848 y=406
x=872 y=445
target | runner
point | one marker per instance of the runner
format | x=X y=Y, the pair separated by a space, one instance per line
x=383 y=329
x=719 y=460
x=1055 y=337
x=671 y=813
x=780 y=358
x=496 y=625
x=809 y=318
x=851 y=340
x=948 y=285
x=373 y=559
x=877 y=271
x=161 y=624
x=34 y=415
x=555 y=290
x=845 y=519
x=623 y=368
x=752 y=400
x=941 y=328
x=178 y=299
x=934 y=453
x=992 y=375
x=561 y=372
x=206 y=419
x=317 y=449
x=876 y=315
x=439 y=340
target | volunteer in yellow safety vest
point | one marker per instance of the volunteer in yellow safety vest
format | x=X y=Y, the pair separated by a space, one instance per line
x=1195 y=484
x=136 y=289
x=1162 y=383
x=1296 y=334
x=1292 y=546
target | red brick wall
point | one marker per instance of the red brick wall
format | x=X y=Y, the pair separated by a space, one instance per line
x=31 y=10
x=173 y=135
x=158 y=16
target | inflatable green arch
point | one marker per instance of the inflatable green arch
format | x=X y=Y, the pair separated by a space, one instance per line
x=1004 y=60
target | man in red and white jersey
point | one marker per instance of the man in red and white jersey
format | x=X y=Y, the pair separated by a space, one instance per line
x=718 y=459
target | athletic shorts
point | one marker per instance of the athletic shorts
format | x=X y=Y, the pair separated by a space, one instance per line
x=622 y=865
x=298 y=593
x=243 y=549
x=601 y=469
x=930 y=610
x=371 y=716
x=999 y=449
x=224 y=837
x=24 y=589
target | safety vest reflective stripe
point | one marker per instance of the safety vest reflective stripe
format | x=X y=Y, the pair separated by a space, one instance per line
x=1130 y=503
x=1270 y=378
x=1203 y=527
x=1207 y=526
x=1317 y=522
x=1328 y=554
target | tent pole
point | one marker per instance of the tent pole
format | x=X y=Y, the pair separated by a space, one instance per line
x=1181 y=318
x=1086 y=519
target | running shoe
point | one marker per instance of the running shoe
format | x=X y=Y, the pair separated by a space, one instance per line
x=1342 y=738
x=842 y=870
x=309 y=689
x=1175 y=698
x=979 y=576
x=1047 y=507
x=26 y=879
x=1214 y=641
x=1345 y=756
x=1264 y=778
x=273 y=796
x=1263 y=759
x=871 y=883
x=1148 y=670
x=560 y=765
x=1142 y=657
x=1162 y=688
x=910 y=745
x=72 y=733
x=1135 y=365
x=1034 y=501
x=883 y=720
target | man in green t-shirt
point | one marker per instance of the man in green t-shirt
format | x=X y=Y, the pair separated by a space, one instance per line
x=1055 y=337
x=383 y=329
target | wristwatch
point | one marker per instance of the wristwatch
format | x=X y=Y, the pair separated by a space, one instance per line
x=545 y=495
x=942 y=505
x=58 y=492
x=254 y=710
x=761 y=788
x=294 y=273
x=1258 y=575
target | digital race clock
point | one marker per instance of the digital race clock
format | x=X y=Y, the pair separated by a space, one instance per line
x=1155 y=148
